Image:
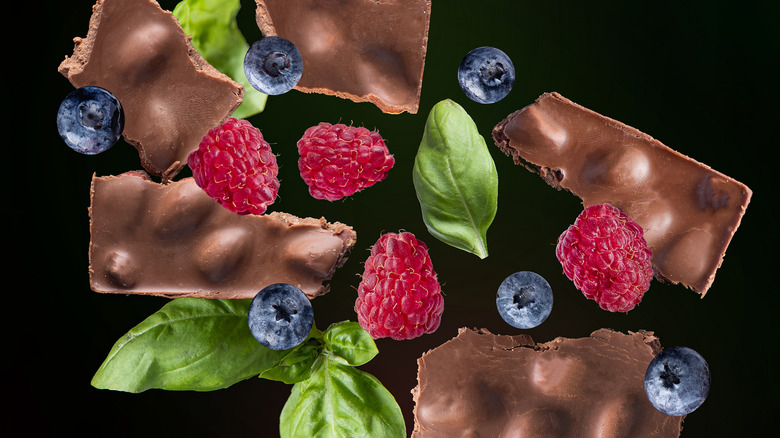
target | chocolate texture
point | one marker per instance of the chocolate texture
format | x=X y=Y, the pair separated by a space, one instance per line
x=688 y=211
x=480 y=384
x=173 y=240
x=362 y=50
x=170 y=94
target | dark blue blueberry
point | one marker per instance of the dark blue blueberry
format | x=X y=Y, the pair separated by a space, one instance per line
x=280 y=316
x=273 y=65
x=677 y=381
x=90 y=120
x=486 y=75
x=524 y=299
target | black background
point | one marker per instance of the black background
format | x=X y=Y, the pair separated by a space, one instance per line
x=698 y=75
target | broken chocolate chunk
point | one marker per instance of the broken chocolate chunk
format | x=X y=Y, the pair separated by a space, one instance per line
x=362 y=50
x=170 y=94
x=173 y=240
x=490 y=385
x=688 y=211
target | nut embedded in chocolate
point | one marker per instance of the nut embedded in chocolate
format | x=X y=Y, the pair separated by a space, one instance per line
x=173 y=240
x=688 y=211
x=171 y=96
x=362 y=50
x=509 y=386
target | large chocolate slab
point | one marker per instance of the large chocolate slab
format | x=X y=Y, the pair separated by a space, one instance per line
x=173 y=240
x=170 y=94
x=688 y=211
x=480 y=384
x=362 y=50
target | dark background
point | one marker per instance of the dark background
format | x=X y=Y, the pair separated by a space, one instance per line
x=698 y=75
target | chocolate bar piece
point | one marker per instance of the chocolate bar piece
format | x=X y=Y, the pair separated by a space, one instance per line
x=171 y=96
x=173 y=240
x=362 y=50
x=688 y=212
x=480 y=384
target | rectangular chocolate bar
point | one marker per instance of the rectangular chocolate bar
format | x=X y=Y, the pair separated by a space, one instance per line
x=170 y=94
x=362 y=50
x=688 y=211
x=173 y=240
x=490 y=385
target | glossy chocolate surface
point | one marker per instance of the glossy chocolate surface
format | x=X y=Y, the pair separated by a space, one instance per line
x=362 y=50
x=173 y=240
x=688 y=211
x=480 y=384
x=170 y=94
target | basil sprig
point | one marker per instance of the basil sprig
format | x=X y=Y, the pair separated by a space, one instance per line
x=455 y=179
x=201 y=344
x=216 y=37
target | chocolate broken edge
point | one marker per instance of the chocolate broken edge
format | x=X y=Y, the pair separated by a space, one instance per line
x=267 y=28
x=522 y=341
x=82 y=50
x=553 y=176
x=343 y=231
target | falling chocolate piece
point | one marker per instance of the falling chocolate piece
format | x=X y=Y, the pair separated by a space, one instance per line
x=362 y=50
x=491 y=385
x=173 y=240
x=170 y=94
x=688 y=212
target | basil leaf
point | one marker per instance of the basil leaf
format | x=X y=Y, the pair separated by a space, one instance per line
x=297 y=365
x=348 y=341
x=455 y=179
x=215 y=35
x=189 y=344
x=338 y=400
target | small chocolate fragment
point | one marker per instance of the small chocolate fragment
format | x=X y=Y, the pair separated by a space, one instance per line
x=688 y=211
x=362 y=50
x=173 y=240
x=480 y=384
x=170 y=94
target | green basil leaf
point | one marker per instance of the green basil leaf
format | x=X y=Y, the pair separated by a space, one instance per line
x=338 y=400
x=189 y=344
x=455 y=179
x=215 y=35
x=348 y=341
x=297 y=365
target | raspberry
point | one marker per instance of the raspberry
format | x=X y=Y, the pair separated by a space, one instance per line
x=339 y=160
x=236 y=167
x=605 y=254
x=399 y=295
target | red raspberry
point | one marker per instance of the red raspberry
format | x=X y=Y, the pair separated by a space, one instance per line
x=399 y=295
x=605 y=254
x=236 y=167
x=339 y=160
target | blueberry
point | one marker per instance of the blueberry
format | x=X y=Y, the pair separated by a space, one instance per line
x=677 y=381
x=90 y=120
x=524 y=299
x=273 y=65
x=280 y=316
x=486 y=75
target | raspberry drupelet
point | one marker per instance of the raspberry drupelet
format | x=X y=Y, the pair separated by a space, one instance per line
x=605 y=254
x=337 y=161
x=235 y=166
x=399 y=295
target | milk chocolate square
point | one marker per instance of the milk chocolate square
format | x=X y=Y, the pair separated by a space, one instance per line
x=173 y=240
x=362 y=50
x=171 y=96
x=688 y=211
x=481 y=384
